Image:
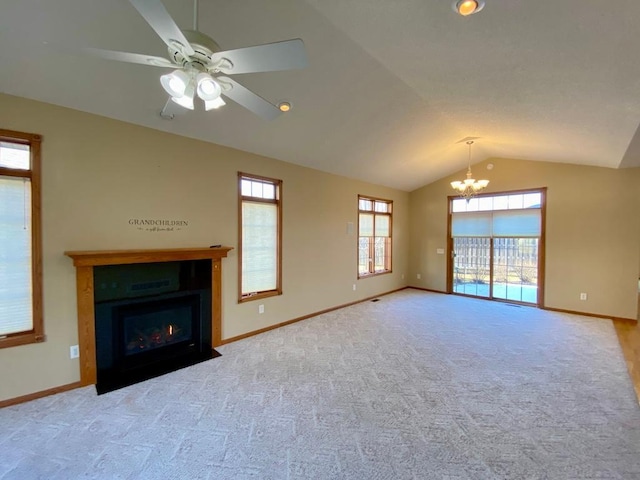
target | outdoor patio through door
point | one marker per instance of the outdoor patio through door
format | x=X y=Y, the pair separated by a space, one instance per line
x=499 y=268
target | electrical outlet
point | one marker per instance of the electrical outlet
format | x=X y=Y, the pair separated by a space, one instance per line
x=583 y=296
x=419 y=276
x=74 y=351
x=354 y=287
x=260 y=308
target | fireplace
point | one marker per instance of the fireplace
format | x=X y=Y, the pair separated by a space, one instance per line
x=150 y=319
x=143 y=313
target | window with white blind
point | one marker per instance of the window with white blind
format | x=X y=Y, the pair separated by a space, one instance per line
x=374 y=236
x=20 y=270
x=260 y=223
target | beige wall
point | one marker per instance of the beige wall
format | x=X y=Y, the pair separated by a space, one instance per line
x=592 y=231
x=99 y=173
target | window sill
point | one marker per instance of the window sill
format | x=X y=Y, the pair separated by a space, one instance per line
x=376 y=274
x=258 y=296
x=21 y=339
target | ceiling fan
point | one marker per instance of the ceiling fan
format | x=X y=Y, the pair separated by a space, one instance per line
x=201 y=66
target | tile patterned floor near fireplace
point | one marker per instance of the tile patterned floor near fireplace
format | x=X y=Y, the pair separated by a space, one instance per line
x=416 y=385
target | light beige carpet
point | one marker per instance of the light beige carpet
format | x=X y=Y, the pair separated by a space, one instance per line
x=414 y=386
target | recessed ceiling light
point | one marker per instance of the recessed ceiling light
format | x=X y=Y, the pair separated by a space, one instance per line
x=467 y=7
x=284 y=106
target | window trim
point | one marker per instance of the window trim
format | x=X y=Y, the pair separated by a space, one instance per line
x=35 y=335
x=390 y=215
x=278 y=202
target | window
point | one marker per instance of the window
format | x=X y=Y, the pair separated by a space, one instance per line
x=374 y=236
x=260 y=224
x=20 y=256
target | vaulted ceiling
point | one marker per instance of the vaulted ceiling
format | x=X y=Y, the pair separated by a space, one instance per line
x=391 y=86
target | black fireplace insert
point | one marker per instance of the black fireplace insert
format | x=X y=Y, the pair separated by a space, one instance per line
x=151 y=319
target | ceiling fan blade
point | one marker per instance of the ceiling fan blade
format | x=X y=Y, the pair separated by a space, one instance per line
x=156 y=15
x=271 y=57
x=249 y=100
x=129 y=57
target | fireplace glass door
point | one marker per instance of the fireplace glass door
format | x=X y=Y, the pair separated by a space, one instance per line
x=157 y=329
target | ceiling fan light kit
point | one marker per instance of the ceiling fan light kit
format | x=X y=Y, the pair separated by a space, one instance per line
x=467 y=7
x=181 y=85
x=198 y=61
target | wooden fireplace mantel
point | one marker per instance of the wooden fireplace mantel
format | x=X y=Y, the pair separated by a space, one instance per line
x=84 y=261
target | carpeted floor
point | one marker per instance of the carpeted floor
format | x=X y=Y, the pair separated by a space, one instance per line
x=414 y=386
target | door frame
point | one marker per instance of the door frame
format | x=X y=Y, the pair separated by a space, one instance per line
x=541 y=243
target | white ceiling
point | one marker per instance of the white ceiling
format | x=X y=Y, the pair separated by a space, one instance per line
x=392 y=85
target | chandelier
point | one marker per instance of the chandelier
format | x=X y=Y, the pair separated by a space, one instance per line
x=469 y=186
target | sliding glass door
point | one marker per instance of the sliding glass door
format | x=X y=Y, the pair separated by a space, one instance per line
x=496 y=242
x=472 y=266
x=515 y=269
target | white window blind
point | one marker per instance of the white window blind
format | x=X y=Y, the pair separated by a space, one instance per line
x=504 y=223
x=366 y=225
x=259 y=247
x=517 y=223
x=16 y=285
x=471 y=224
x=383 y=226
